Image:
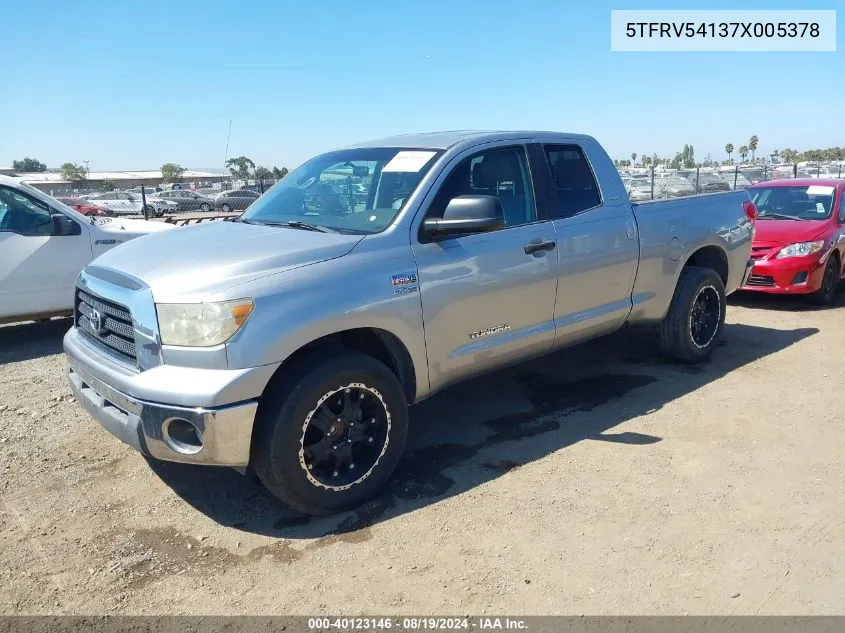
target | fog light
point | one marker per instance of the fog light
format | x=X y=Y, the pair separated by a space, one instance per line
x=182 y=436
x=800 y=278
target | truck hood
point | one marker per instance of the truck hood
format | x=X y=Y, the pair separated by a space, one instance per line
x=782 y=232
x=192 y=263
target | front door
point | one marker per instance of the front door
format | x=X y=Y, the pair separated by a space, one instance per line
x=38 y=270
x=486 y=301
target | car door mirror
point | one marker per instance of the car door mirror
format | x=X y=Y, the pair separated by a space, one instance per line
x=63 y=225
x=465 y=215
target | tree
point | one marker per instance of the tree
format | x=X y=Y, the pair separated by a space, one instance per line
x=752 y=145
x=171 y=172
x=634 y=158
x=107 y=185
x=241 y=167
x=278 y=174
x=788 y=155
x=743 y=152
x=262 y=173
x=729 y=149
x=72 y=172
x=708 y=160
x=28 y=165
x=685 y=158
x=775 y=156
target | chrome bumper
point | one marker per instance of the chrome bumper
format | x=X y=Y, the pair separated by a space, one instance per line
x=223 y=432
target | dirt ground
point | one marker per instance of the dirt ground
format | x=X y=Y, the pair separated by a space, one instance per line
x=600 y=480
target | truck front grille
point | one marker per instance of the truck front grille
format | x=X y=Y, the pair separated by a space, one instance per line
x=107 y=323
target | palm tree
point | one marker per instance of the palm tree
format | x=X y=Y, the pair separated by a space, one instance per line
x=775 y=156
x=743 y=152
x=752 y=145
x=634 y=158
x=729 y=148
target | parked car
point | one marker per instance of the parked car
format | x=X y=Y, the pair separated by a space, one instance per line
x=640 y=190
x=705 y=181
x=45 y=244
x=123 y=203
x=672 y=187
x=187 y=200
x=85 y=207
x=235 y=200
x=799 y=247
x=335 y=315
x=735 y=180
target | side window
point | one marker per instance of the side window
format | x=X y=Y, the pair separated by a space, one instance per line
x=501 y=172
x=24 y=215
x=575 y=186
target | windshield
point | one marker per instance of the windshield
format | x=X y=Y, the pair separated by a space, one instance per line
x=803 y=203
x=350 y=191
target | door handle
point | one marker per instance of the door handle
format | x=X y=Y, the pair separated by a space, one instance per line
x=539 y=245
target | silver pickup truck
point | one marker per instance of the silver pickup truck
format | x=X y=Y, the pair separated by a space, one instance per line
x=292 y=340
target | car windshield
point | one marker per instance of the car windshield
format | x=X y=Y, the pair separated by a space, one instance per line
x=813 y=202
x=350 y=191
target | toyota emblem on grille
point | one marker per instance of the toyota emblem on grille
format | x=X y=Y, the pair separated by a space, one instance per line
x=98 y=322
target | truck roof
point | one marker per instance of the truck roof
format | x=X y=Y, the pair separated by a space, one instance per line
x=447 y=139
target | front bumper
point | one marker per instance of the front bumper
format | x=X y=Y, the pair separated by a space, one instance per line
x=792 y=275
x=223 y=432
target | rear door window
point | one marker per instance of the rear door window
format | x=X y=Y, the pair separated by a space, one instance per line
x=574 y=183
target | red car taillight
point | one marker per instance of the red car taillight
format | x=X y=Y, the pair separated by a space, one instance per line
x=750 y=210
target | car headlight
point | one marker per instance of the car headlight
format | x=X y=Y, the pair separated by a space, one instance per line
x=800 y=249
x=201 y=324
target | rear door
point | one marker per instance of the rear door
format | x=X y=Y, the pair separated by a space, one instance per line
x=487 y=298
x=598 y=247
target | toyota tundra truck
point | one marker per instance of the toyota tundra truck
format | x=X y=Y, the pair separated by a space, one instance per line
x=291 y=341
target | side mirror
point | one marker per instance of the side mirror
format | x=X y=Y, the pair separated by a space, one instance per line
x=63 y=225
x=465 y=215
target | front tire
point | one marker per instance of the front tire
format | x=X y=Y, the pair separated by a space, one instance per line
x=330 y=433
x=205 y=207
x=827 y=293
x=225 y=208
x=690 y=331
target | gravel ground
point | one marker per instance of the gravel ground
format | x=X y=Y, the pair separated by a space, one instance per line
x=599 y=480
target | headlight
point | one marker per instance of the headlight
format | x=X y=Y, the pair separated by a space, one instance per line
x=801 y=249
x=201 y=324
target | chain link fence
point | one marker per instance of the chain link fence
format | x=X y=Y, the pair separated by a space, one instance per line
x=656 y=183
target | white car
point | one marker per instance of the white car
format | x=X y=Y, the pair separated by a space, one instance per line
x=123 y=203
x=43 y=246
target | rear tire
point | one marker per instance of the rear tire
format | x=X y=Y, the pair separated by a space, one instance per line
x=329 y=432
x=691 y=329
x=827 y=293
x=225 y=208
x=205 y=208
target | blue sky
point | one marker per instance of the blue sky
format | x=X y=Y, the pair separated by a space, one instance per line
x=131 y=85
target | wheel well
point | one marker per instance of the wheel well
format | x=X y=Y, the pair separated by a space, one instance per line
x=711 y=257
x=377 y=343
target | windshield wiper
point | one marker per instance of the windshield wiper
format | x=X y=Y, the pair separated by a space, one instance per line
x=296 y=224
x=780 y=216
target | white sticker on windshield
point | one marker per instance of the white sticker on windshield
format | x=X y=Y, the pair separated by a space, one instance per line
x=819 y=190
x=408 y=162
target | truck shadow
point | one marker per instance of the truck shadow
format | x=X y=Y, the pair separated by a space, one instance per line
x=31 y=340
x=478 y=431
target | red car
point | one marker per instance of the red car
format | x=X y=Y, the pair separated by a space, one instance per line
x=84 y=207
x=799 y=244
